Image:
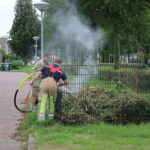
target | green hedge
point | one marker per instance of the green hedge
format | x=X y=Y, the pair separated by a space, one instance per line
x=129 y=74
x=143 y=80
x=137 y=78
x=125 y=65
x=16 y=64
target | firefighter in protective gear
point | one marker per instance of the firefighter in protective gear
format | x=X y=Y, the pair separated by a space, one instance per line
x=36 y=84
x=48 y=87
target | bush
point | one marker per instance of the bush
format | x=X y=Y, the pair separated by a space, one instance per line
x=17 y=64
x=135 y=78
x=98 y=104
x=143 y=80
x=125 y=65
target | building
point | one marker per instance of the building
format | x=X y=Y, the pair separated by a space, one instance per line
x=4 y=45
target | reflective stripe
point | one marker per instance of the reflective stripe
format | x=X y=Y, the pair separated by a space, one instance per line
x=41 y=119
x=50 y=115
x=43 y=104
x=41 y=115
x=53 y=70
x=34 y=109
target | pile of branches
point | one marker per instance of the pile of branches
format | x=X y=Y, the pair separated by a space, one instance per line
x=98 y=104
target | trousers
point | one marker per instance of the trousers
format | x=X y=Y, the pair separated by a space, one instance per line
x=47 y=97
x=35 y=91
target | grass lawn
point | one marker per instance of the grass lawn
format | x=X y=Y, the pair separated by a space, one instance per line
x=54 y=136
x=50 y=135
x=27 y=69
x=113 y=86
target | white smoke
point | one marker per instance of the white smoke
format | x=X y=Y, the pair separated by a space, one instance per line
x=77 y=38
x=80 y=82
x=72 y=29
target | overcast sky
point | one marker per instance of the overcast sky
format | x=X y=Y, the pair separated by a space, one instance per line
x=7 y=15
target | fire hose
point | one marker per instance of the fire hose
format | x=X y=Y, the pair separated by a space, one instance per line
x=27 y=98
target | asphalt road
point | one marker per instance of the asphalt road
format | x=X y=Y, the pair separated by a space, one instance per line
x=9 y=116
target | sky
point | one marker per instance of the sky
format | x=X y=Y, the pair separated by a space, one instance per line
x=7 y=15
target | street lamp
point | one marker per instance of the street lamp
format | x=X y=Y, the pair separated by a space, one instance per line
x=42 y=6
x=36 y=38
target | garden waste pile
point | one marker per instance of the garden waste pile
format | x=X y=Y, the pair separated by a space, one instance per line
x=98 y=104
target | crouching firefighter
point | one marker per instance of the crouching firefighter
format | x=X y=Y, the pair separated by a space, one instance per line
x=36 y=85
x=48 y=88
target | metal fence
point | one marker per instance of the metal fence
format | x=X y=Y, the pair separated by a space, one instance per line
x=92 y=87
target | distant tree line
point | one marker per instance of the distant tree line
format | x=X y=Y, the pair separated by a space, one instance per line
x=126 y=24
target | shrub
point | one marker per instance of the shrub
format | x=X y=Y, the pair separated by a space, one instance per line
x=98 y=104
x=143 y=80
x=16 y=64
x=135 y=78
x=125 y=65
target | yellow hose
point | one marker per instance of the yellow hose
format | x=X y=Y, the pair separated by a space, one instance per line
x=24 y=80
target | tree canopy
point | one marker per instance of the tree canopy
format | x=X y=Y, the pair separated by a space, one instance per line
x=126 y=24
x=25 y=26
x=126 y=21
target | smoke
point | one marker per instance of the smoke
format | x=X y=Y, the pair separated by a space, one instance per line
x=73 y=35
x=76 y=40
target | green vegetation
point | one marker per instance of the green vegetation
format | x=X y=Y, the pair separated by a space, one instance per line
x=24 y=27
x=134 y=78
x=111 y=86
x=122 y=21
x=126 y=25
x=16 y=64
x=51 y=135
x=10 y=57
x=118 y=87
x=27 y=69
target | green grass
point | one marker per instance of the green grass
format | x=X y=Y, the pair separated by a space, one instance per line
x=105 y=84
x=51 y=135
x=112 y=86
x=147 y=68
x=27 y=69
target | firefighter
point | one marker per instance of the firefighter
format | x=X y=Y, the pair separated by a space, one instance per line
x=48 y=88
x=35 y=87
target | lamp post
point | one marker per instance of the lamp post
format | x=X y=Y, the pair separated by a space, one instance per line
x=36 y=38
x=42 y=7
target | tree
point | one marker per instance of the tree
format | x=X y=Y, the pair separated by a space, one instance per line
x=25 y=26
x=121 y=18
x=125 y=22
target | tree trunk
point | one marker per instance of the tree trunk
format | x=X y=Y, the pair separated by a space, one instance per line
x=117 y=50
x=138 y=44
x=25 y=60
x=146 y=57
x=3 y=59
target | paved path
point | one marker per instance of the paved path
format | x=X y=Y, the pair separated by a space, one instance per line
x=9 y=116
